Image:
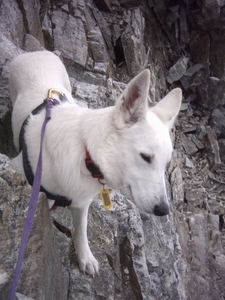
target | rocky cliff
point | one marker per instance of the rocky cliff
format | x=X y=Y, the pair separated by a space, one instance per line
x=103 y=44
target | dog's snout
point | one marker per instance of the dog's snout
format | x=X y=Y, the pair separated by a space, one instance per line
x=161 y=209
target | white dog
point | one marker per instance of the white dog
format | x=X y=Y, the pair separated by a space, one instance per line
x=129 y=142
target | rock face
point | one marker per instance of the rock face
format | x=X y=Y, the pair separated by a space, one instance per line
x=104 y=44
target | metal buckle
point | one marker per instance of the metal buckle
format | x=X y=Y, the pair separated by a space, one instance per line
x=56 y=91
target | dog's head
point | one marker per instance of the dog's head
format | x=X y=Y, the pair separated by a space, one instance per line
x=139 y=148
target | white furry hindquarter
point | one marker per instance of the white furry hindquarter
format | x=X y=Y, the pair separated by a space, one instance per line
x=31 y=88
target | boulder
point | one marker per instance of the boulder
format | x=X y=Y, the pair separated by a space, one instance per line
x=42 y=257
x=211 y=92
x=178 y=70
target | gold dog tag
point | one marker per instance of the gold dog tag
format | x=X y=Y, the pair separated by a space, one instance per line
x=106 y=198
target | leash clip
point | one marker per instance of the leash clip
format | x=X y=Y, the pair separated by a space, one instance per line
x=62 y=96
x=53 y=90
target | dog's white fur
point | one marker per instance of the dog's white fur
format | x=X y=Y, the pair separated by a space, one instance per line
x=129 y=142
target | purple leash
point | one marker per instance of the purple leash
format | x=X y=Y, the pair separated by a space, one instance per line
x=33 y=201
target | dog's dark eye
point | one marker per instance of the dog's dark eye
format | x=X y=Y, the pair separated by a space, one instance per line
x=146 y=157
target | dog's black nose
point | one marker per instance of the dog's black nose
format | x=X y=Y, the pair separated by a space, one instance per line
x=161 y=209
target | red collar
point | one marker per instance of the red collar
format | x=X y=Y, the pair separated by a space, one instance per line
x=91 y=166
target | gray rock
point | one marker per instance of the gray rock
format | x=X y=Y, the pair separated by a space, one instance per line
x=160 y=9
x=216 y=161
x=191 y=98
x=184 y=106
x=189 y=128
x=4 y=279
x=222 y=149
x=12 y=25
x=103 y=5
x=195 y=197
x=7 y=52
x=193 y=77
x=30 y=14
x=198 y=224
x=188 y=163
x=197 y=40
x=177 y=70
x=177 y=187
x=105 y=36
x=189 y=147
x=211 y=92
x=31 y=43
x=217 y=53
x=98 y=51
x=36 y=279
x=133 y=42
x=184 y=28
x=22 y=297
x=197 y=142
x=218 y=121
x=70 y=38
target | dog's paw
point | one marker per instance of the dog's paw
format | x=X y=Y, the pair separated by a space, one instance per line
x=87 y=263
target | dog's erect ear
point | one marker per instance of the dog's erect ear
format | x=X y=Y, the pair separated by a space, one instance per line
x=168 y=108
x=132 y=105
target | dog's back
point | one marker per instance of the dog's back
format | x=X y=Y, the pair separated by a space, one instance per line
x=31 y=76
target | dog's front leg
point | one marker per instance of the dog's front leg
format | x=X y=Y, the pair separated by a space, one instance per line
x=87 y=261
